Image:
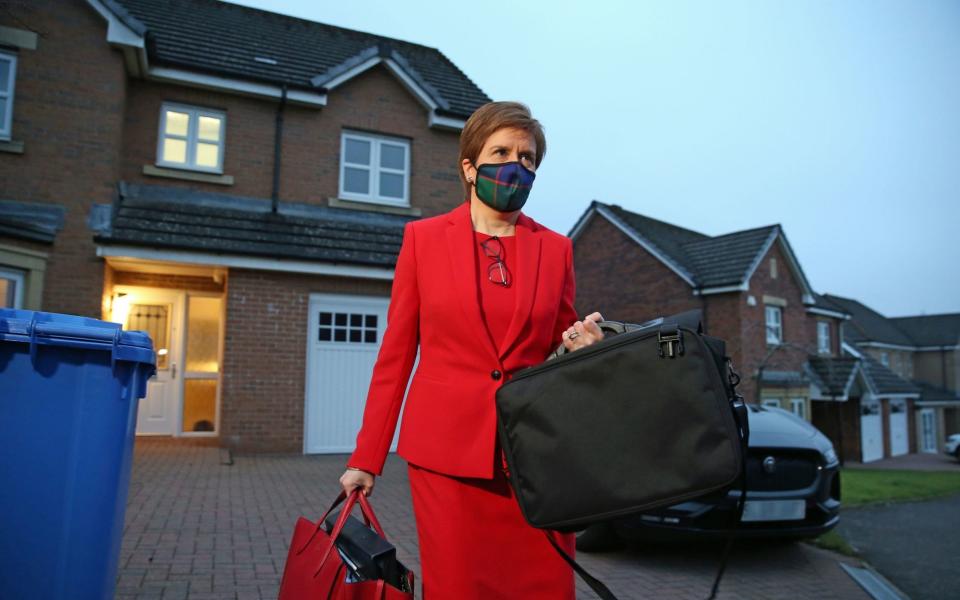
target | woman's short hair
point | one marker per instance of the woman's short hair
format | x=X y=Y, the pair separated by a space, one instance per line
x=489 y=118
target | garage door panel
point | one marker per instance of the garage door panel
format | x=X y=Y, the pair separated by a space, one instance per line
x=344 y=337
x=898 y=428
x=871 y=432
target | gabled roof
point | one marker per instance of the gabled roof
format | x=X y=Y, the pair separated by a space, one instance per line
x=239 y=42
x=933 y=393
x=882 y=381
x=174 y=217
x=931 y=330
x=703 y=261
x=823 y=305
x=868 y=325
x=37 y=221
x=833 y=374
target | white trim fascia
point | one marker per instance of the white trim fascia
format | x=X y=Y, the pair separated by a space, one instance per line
x=807 y=295
x=117 y=32
x=759 y=257
x=245 y=262
x=647 y=245
x=851 y=349
x=827 y=313
x=723 y=289
x=935 y=348
x=900 y=396
x=433 y=120
x=887 y=346
x=582 y=222
x=353 y=72
x=249 y=88
x=936 y=403
x=871 y=391
x=438 y=122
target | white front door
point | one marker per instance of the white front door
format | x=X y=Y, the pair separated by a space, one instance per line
x=159 y=312
x=928 y=431
x=871 y=430
x=343 y=341
x=898 y=428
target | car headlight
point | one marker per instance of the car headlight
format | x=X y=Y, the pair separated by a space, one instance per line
x=830 y=456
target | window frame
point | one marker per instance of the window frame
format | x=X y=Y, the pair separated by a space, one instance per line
x=192 y=139
x=6 y=123
x=768 y=328
x=802 y=403
x=823 y=337
x=19 y=277
x=374 y=168
x=771 y=402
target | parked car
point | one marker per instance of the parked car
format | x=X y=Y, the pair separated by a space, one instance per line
x=793 y=491
x=953 y=445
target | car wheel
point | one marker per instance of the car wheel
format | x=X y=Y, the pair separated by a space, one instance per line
x=956 y=453
x=599 y=537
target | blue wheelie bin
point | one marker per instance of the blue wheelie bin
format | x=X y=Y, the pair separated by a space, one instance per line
x=69 y=391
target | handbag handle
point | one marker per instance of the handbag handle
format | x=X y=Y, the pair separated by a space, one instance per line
x=367 y=510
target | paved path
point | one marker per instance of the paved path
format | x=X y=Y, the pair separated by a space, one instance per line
x=199 y=530
x=914 y=544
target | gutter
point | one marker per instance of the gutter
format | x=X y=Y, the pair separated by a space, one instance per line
x=277 y=138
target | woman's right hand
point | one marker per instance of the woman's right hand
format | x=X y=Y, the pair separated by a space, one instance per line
x=353 y=478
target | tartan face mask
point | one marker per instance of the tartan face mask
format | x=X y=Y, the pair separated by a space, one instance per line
x=504 y=186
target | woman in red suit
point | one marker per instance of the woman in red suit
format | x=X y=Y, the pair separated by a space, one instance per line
x=484 y=290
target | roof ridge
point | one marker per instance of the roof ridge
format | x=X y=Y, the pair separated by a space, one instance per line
x=659 y=221
x=243 y=7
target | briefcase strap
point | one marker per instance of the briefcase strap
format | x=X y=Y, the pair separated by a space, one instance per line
x=595 y=584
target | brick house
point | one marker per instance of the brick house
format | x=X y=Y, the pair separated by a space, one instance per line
x=785 y=340
x=924 y=350
x=234 y=182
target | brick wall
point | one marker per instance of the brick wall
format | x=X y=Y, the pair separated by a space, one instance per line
x=68 y=112
x=310 y=155
x=264 y=357
x=797 y=327
x=622 y=280
x=181 y=282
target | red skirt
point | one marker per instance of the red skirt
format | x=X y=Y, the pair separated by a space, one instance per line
x=475 y=544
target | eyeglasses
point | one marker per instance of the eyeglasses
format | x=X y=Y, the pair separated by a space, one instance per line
x=497 y=271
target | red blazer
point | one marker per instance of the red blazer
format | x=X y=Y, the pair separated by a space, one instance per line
x=449 y=419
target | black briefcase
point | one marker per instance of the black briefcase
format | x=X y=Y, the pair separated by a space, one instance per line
x=645 y=418
x=642 y=419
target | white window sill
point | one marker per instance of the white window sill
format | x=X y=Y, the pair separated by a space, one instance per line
x=11 y=146
x=374 y=207
x=155 y=171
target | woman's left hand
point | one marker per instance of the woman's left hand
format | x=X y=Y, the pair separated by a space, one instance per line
x=583 y=333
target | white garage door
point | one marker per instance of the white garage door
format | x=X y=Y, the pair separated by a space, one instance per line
x=898 y=427
x=342 y=344
x=871 y=431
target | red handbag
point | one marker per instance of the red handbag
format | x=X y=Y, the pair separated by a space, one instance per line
x=315 y=570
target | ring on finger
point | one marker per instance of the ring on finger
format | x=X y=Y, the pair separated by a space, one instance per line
x=573 y=335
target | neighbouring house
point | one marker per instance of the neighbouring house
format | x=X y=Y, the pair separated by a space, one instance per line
x=785 y=340
x=233 y=181
x=924 y=350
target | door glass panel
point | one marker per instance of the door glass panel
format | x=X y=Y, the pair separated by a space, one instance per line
x=203 y=335
x=199 y=404
x=155 y=320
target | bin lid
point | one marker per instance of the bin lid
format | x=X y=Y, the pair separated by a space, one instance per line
x=56 y=329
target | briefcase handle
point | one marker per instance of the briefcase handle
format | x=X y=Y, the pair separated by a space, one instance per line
x=690 y=319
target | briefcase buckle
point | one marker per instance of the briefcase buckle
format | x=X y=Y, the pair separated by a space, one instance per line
x=673 y=343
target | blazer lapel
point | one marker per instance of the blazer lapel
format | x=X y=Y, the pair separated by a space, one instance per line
x=527 y=268
x=460 y=242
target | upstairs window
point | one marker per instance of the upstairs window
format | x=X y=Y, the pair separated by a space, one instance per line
x=8 y=72
x=191 y=138
x=823 y=337
x=374 y=168
x=774 y=318
x=885 y=359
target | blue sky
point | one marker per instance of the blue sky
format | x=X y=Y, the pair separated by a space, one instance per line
x=838 y=120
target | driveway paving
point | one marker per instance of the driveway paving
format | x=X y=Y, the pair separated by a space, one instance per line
x=199 y=529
